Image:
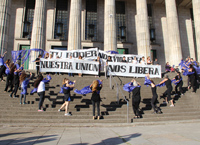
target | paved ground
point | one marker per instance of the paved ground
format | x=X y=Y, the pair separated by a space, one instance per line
x=186 y=133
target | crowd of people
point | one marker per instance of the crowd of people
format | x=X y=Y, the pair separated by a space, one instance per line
x=17 y=77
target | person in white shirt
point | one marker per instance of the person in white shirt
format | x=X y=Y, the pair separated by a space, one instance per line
x=134 y=61
x=142 y=62
x=40 y=85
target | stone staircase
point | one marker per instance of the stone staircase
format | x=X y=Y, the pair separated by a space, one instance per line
x=186 y=106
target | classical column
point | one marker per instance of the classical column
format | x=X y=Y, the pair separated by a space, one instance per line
x=175 y=52
x=74 y=37
x=38 y=33
x=110 y=37
x=142 y=28
x=4 y=22
x=196 y=11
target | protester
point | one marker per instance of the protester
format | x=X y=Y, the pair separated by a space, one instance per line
x=37 y=62
x=99 y=61
x=179 y=83
x=154 y=98
x=57 y=73
x=156 y=62
x=167 y=93
x=167 y=67
x=149 y=61
x=16 y=81
x=2 y=67
x=135 y=60
x=67 y=87
x=107 y=67
x=10 y=75
x=96 y=87
x=80 y=74
x=124 y=59
x=39 y=86
x=24 y=80
x=136 y=98
x=193 y=78
x=142 y=62
x=70 y=74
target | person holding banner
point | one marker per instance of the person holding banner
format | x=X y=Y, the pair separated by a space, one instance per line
x=135 y=60
x=149 y=61
x=142 y=62
x=80 y=74
x=107 y=68
x=95 y=98
x=2 y=67
x=99 y=61
x=136 y=98
x=70 y=74
x=167 y=93
x=37 y=62
x=67 y=87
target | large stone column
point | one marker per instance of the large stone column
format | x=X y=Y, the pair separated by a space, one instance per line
x=175 y=52
x=4 y=22
x=142 y=28
x=38 y=30
x=110 y=37
x=196 y=11
x=74 y=37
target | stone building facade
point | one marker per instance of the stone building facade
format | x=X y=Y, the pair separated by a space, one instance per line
x=165 y=29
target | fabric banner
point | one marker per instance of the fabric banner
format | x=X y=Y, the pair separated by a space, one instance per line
x=92 y=53
x=118 y=57
x=23 y=55
x=69 y=66
x=130 y=70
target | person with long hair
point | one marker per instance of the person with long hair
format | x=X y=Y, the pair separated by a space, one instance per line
x=2 y=67
x=178 y=83
x=16 y=81
x=67 y=87
x=10 y=75
x=167 y=93
x=136 y=98
x=24 y=81
x=193 y=78
x=96 y=87
x=40 y=85
x=154 y=98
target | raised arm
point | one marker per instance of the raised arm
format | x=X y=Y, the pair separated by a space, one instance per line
x=4 y=54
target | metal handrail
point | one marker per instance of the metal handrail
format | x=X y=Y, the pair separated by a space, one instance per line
x=119 y=89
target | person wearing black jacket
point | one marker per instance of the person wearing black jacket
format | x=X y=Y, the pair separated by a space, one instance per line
x=16 y=82
x=167 y=93
x=178 y=78
x=193 y=78
x=96 y=87
x=10 y=76
x=136 y=98
x=154 y=98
